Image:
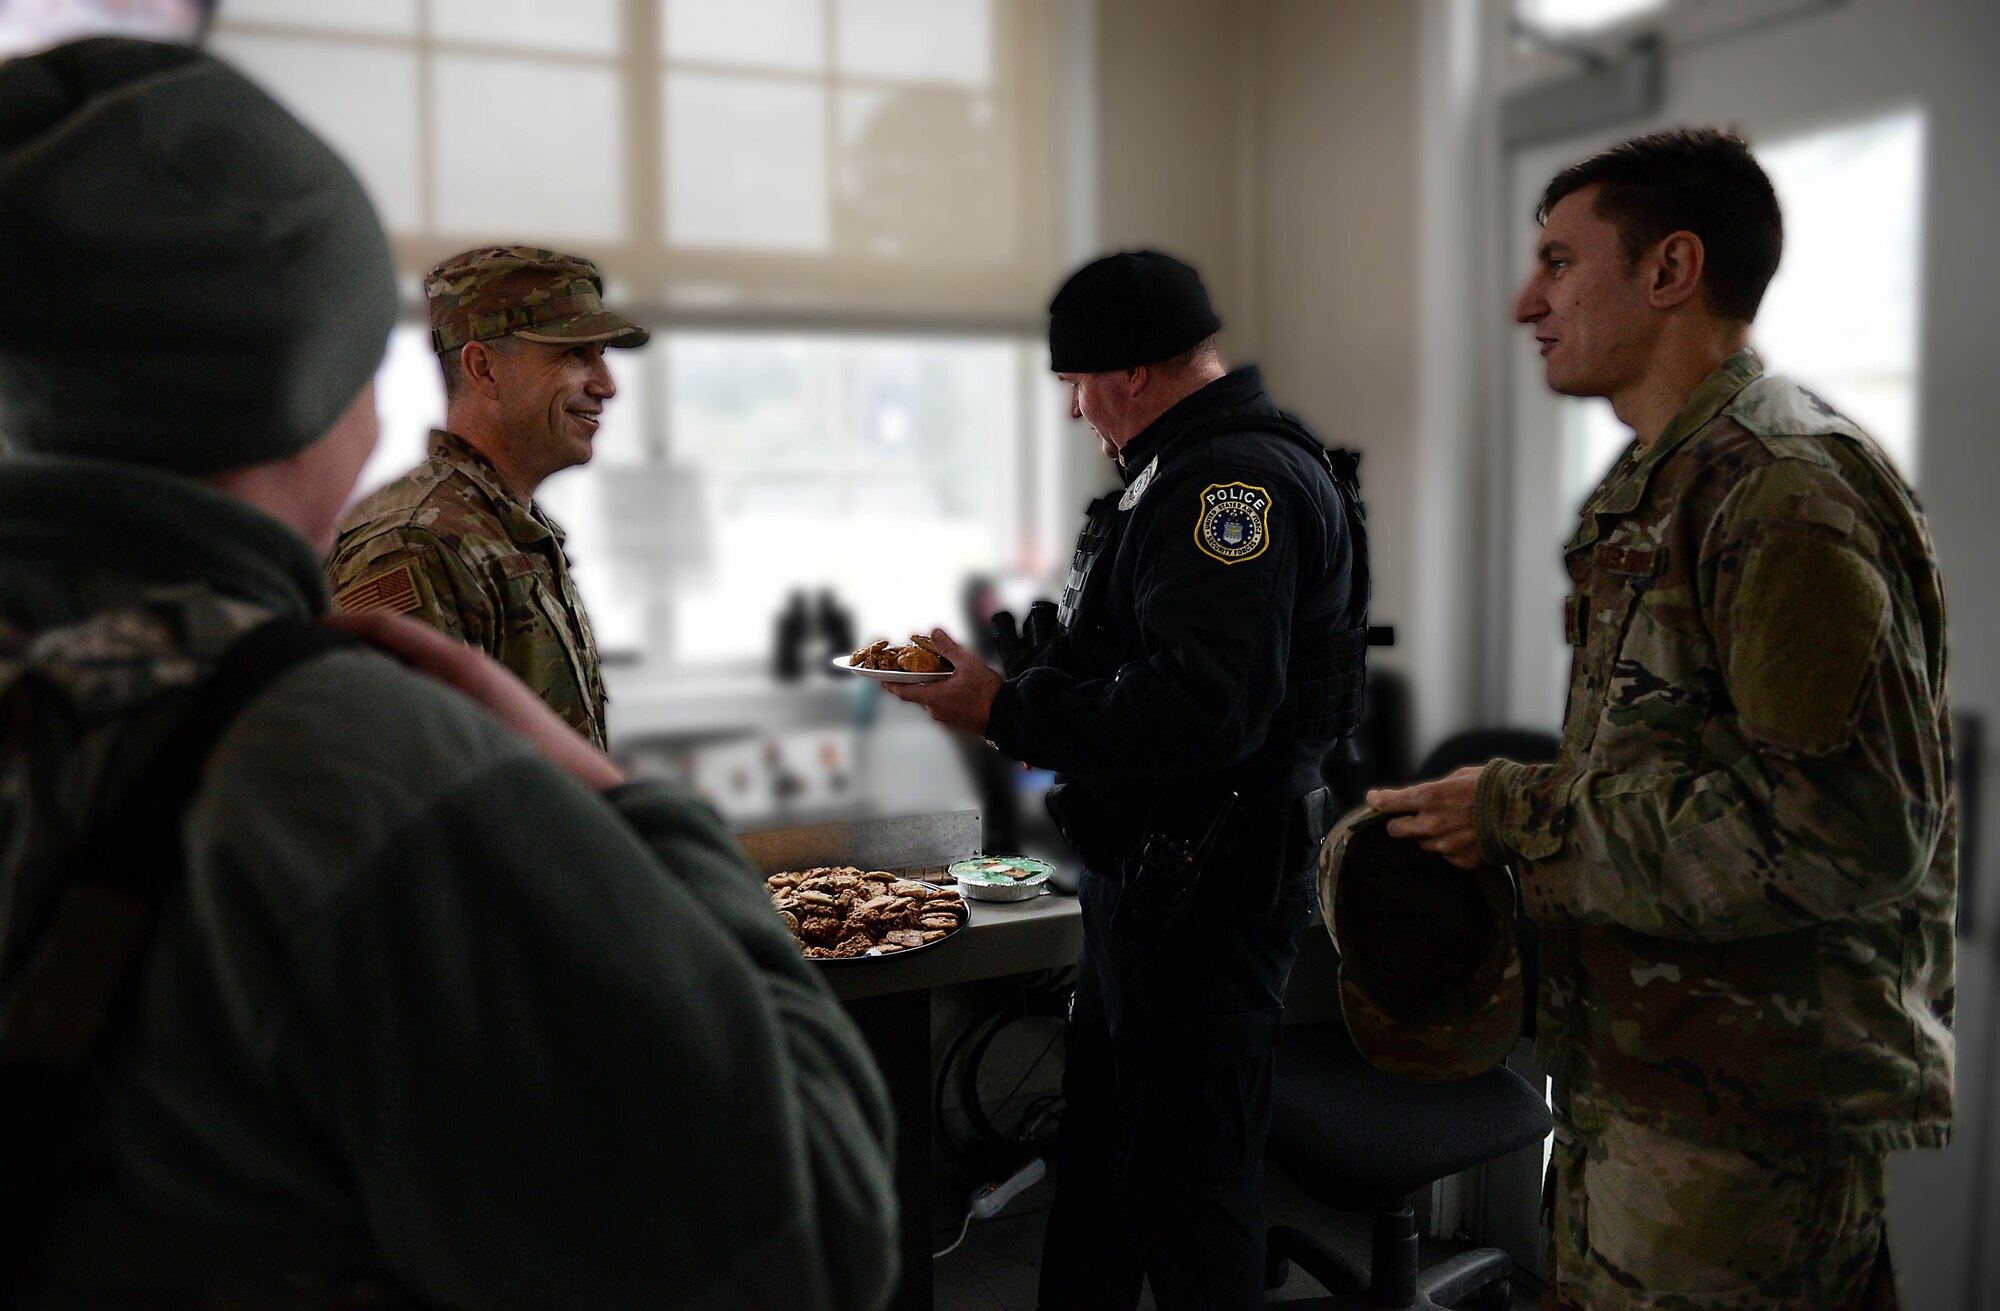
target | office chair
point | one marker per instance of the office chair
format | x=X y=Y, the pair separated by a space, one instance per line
x=1356 y=1139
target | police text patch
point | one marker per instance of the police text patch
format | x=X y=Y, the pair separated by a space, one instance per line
x=1235 y=523
x=392 y=589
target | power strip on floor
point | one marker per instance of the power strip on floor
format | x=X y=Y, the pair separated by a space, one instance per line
x=989 y=1200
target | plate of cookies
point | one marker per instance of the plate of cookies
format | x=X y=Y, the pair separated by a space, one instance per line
x=842 y=914
x=918 y=662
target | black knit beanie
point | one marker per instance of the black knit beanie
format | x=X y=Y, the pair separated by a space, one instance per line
x=193 y=281
x=1136 y=307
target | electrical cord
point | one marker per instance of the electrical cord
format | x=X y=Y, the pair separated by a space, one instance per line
x=1043 y=995
x=962 y=1231
x=968 y=1081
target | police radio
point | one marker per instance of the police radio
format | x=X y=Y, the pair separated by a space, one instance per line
x=1158 y=886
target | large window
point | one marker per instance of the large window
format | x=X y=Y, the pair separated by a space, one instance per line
x=1841 y=316
x=837 y=156
x=734 y=468
x=766 y=183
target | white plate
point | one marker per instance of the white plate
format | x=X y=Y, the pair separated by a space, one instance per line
x=890 y=675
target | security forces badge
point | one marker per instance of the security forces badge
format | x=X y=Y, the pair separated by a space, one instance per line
x=1235 y=523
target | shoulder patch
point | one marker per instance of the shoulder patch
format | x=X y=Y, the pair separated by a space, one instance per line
x=392 y=589
x=1813 y=614
x=1235 y=522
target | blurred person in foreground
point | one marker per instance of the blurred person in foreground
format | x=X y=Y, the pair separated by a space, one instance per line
x=1209 y=645
x=1745 y=859
x=458 y=541
x=436 y=1008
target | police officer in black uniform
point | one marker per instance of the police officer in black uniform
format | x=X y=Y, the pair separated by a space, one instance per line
x=1205 y=659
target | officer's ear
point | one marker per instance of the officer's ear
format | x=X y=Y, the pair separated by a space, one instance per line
x=1136 y=380
x=478 y=360
x=1673 y=270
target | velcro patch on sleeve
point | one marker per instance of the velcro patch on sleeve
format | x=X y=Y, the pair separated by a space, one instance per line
x=1811 y=615
x=1235 y=522
x=392 y=589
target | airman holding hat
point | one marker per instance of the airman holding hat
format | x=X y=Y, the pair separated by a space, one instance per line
x=1430 y=973
x=459 y=541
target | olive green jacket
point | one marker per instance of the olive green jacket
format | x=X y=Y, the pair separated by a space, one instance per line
x=448 y=543
x=1746 y=857
x=423 y=1003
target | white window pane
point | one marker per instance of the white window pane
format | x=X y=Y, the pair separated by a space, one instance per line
x=1580 y=15
x=509 y=169
x=750 y=407
x=917 y=40
x=1842 y=325
x=808 y=446
x=582 y=26
x=1592 y=439
x=361 y=99
x=389 y=16
x=746 y=163
x=922 y=175
x=409 y=398
x=763 y=34
x=30 y=25
x=621 y=440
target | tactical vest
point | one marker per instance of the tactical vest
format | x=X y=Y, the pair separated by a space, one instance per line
x=1326 y=674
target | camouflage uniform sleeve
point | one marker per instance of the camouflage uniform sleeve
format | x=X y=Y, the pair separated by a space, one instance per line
x=410 y=571
x=1819 y=791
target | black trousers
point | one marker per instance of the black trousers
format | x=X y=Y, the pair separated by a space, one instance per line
x=1167 y=1103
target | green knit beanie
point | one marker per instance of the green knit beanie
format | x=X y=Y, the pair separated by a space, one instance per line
x=192 y=280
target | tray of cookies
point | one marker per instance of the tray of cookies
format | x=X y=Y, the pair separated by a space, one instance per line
x=844 y=915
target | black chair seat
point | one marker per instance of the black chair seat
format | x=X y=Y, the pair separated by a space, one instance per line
x=1356 y=1139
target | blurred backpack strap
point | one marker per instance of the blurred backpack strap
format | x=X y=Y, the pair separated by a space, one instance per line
x=78 y=972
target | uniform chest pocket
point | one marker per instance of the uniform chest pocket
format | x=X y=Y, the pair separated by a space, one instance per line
x=536 y=635
x=1611 y=578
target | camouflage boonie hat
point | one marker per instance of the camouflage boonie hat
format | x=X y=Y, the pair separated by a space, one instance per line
x=1430 y=977
x=522 y=291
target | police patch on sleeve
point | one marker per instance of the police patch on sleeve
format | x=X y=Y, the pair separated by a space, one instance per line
x=1235 y=523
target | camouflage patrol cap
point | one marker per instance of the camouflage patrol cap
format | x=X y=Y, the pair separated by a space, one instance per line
x=1430 y=977
x=522 y=291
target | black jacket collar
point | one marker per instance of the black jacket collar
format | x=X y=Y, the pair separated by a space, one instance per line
x=1238 y=390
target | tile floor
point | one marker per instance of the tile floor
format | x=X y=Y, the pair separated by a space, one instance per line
x=995 y=1268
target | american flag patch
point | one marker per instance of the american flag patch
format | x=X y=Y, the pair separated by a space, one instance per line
x=393 y=589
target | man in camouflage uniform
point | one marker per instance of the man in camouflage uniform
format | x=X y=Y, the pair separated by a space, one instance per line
x=1745 y=859
x=437 y=1008
x=459 y=541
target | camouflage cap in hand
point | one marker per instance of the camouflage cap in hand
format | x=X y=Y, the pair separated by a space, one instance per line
x=1430 y=976
x=522 y=291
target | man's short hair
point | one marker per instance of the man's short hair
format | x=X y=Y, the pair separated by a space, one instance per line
x=1189 y=357
x=1698 y=180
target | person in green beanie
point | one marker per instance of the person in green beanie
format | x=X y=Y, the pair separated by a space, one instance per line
x=437 y=1009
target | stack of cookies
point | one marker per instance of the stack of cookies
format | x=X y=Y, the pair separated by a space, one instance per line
x=838 y=912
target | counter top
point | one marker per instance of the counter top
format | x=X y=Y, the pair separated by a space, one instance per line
x=999 y=937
